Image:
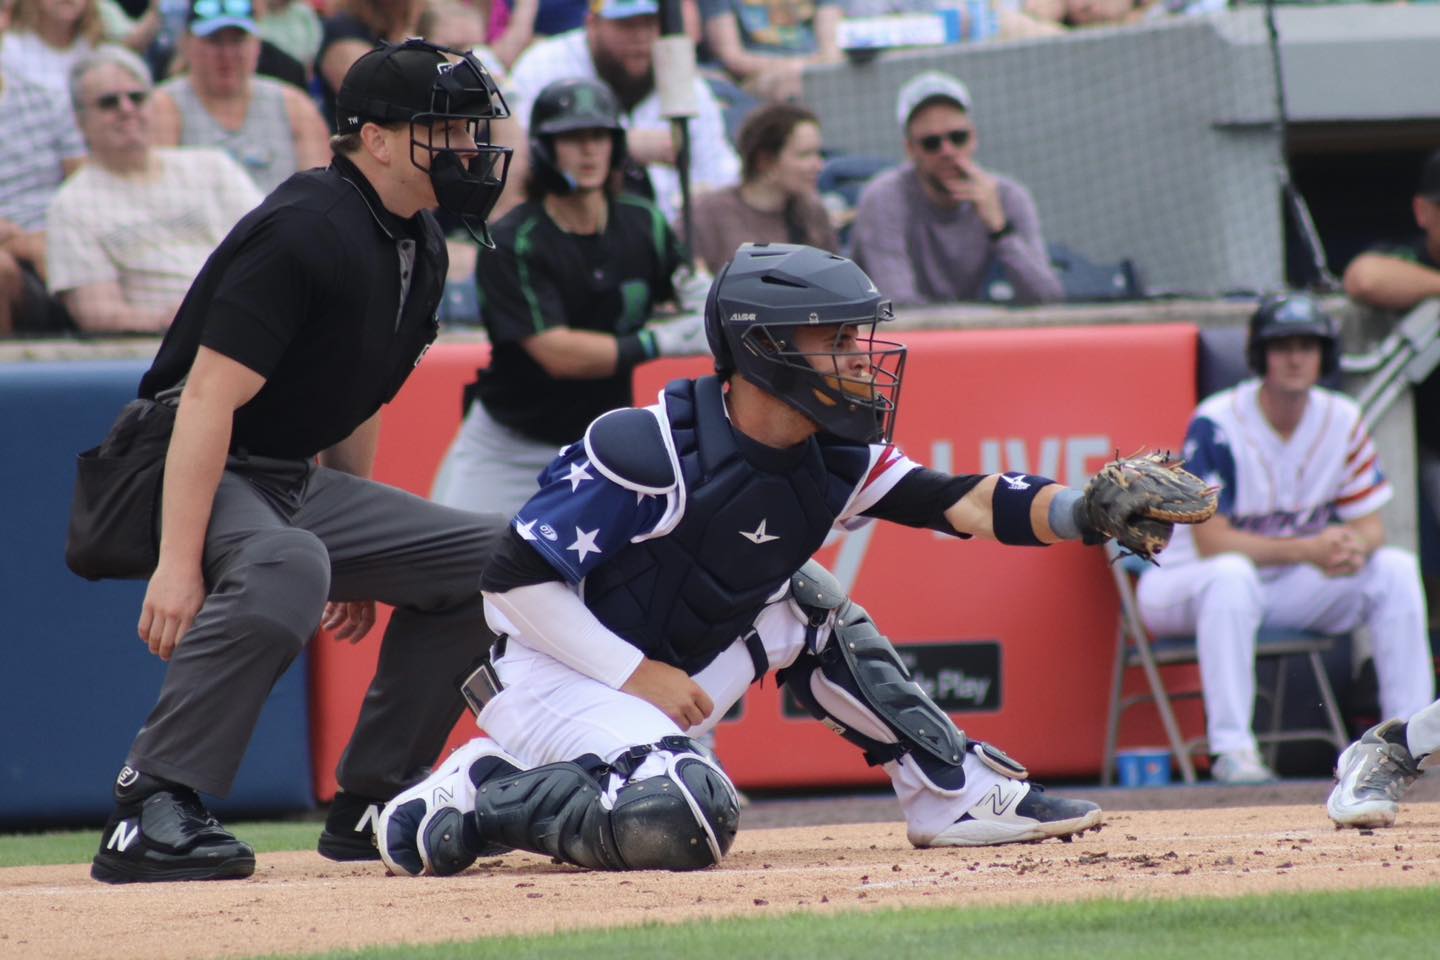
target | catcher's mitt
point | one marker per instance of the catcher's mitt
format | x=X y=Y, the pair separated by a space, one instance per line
x=1138 y=501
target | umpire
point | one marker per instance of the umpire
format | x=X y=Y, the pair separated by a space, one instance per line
x=303 y=323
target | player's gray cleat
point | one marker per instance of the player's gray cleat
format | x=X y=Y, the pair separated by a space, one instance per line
x=419 y=830
x=1015 y=811
x=1371 y=776
x=1241 y=768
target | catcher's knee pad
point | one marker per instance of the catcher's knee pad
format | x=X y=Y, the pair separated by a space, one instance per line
x=856 y=685
x=682 y=819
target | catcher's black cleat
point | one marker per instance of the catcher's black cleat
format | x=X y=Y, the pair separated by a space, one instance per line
x=160 y=832
x=349 y=832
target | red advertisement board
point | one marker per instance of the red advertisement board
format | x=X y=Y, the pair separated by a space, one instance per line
x=1016 y=642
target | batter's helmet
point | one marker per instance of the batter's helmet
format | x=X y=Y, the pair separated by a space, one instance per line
x=1292 y=315
x=429 y=86
x=566 y=106
x=769 y=290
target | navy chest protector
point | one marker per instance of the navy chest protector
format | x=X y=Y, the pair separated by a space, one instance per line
x=751 y=517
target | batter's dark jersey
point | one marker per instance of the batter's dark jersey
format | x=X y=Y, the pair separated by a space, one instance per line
x=539 y=277
x=305 y=291
x=1427 y=393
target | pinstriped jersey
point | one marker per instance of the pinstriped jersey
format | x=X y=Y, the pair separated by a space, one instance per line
x=1326 y=471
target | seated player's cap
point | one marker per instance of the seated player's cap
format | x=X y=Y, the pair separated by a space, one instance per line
x=206 y=17
x=926 y=88
x=624 y=9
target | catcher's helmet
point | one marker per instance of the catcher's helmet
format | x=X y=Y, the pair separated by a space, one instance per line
x=1292 y=315
x=416 y=82
x=766 y=292
x=566 y=106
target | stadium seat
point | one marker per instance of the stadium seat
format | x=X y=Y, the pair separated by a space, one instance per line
x=1136 y=648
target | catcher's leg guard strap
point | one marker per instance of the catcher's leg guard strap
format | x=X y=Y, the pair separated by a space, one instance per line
x=684 y=819
x=857 y=686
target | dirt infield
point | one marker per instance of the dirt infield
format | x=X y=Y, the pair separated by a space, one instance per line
x=300 y=903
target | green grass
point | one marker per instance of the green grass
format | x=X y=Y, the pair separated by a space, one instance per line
x=1371 y=923
x=1303 y=926
x=78 y=846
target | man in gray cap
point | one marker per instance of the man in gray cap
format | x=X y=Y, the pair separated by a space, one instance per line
x=929 y=231
x=306 y=320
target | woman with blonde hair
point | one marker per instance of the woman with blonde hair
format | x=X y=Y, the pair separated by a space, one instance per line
x=47 y=37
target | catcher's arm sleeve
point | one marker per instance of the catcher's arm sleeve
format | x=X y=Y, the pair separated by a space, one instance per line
x=550 y=618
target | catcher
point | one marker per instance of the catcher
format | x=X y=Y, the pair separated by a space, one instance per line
x=690 y=524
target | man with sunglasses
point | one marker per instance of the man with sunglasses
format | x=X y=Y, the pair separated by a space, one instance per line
x=937 y=228
x=307 y=319
x=131 y=229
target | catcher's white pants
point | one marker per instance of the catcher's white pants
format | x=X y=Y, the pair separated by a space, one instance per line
x=1223 y=600
x=549 y=712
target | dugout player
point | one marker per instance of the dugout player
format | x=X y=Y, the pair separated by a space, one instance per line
x=1297 y=542
x=575 y=276
x=305 y=321
x=690 y=524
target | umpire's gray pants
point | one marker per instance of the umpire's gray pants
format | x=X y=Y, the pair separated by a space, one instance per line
x=285 y=537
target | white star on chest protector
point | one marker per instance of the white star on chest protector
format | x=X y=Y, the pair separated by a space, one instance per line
x=578 y=475
x=584 y=543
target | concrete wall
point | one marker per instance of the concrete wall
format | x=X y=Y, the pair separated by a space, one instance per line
x=1157 y=142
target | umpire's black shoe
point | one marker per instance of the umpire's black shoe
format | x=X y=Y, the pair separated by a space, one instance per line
x=349 y=832
x=160 y=831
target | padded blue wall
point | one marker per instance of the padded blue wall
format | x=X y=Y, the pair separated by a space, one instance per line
x=76 y=682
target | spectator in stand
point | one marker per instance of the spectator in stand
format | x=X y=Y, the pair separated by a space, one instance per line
x=1397 y=277
x=566 y=295
x=46 y=37
x=131 y=229
x=1014 y=19
x=555 y=17
x=293 y=27
x=352 y=31
x=776 y=200
x=929 y=231
x=497 y=32
x=767 y=44
x=39 y=146
x=617 y=46
x=1109 y=13
x=270 y=128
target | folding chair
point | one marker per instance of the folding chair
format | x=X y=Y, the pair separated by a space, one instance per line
x=1134 y=647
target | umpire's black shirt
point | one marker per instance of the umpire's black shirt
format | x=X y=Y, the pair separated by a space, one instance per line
x=306 y=291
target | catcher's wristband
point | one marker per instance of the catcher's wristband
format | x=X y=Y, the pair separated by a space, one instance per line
x=1010 y=508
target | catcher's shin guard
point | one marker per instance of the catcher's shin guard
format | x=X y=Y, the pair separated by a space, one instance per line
x=855 y=684
x=683 y=819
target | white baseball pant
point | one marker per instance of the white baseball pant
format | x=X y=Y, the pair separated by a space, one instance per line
x=549 y=712
x=1223 y=600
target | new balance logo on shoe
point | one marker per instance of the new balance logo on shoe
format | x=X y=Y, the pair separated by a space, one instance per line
x=1000 y=801
x=758 y=535
x=369 y=820
x=121 y=839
